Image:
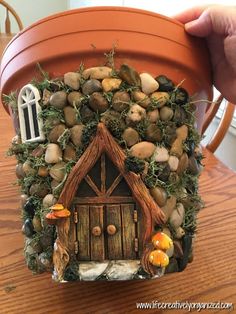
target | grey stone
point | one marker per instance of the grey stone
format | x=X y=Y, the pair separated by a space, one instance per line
x=90 y=271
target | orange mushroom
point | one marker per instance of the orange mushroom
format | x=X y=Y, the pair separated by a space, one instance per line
x=162 y=241
x=57 y=207
x=158 y=258
x=51 y=218
x=62 y=213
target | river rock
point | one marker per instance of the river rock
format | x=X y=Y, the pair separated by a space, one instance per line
x=148 y=83
x=187 y=246
x=91 y=86
x=110 y=84
x=58 y=99
x=69 y=153
x=37 y=224
x=153 y=133
x=98 y=102
x=75 y=99
x=49 y=200
x=86 y=114
x=58 y=171
x=165 y=84
x=121 y=101
x=141 y=98
x=72 y=79
x=170 y=134
x=193 y=166
x=177 y=216
x=161 y=98
x=56 y=132
x=159 y=195
x=170 y=251
x=135 y=114
x=38 y=189
x=53 y=154
x=182 y=132
x=46 y=97
x=183 y=163
x=177 y=147
x=130 y=136
x=164 y=173
x=179 y=233
x=129 y=75
x=173 y=163
x=28 y=228
x=70 y=115
x=179 y=115
x=142 y=150
x=169 y=206
x=161 y=154
x=19 y=171
x=178 y=250
x=43 y=171
x=76 y=134
x=98 y=73
x=153 y=116
x=38 y=151
x=27 y=168
x=166 y=113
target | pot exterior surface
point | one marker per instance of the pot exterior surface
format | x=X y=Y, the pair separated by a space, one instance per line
x=147 y=41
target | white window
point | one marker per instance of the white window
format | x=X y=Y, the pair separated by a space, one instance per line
x=29 y=108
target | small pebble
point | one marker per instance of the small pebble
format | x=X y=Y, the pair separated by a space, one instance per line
x=148 y=83
x=166 y=113
x=161 y=154
x=69 y=153
x=178 y=250
x=141 y=99
x=53 y=154
x=75 y=99
x=56 y=132
x=161 y=98
x=76 y=134
x=91 y=86
x=173 y=163
x=165 y=84
x=28 y=228
x=46 y=97
x=70 y=115
x=182 y=132
x=177 y=147
x=37 y=224
x=110 y=84
x=179 y=232
x=179 y=116
x=183 y=163
x=120 y=101
x=135 y=114
x=49 y=200
x=58 y=171
x=169 y=206
x=153 y=116
x=153 y=133
x=98 y=102
x=142 y=150
x=129 y=75
x=19 y=171
x=58 y=99
x=177 y=216
x=98 y=73
x=86 y=114
x=72 y=79
x=180 y=96
x=193 y=166
x=28 y=169
x=130 y=136
x=159 y=195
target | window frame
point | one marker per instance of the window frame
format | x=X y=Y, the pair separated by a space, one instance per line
x=28 y=96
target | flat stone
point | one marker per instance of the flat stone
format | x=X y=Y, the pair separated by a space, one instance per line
x=177 y=147
x=98 y=102
x=173 y=163
x=90 y=271
x=141 y=98
x=70 y=115
x=76 y=134
x=122 y=269
x=159 y=195
x=135 y=114
x=182 y=132
x=161 y=154
x=153 y=133
x=183 y=163
x=58 y=99
x=169 y=206
x=130 y=136
x=72 y=79
x=98 y=73
x=148 y=83
x=166 y=113
x=53 y=153
x=177 y=216
x=110 y=84
x=91 y=86
x=161 y=98
x=153 y=116
x=28 y=228
x=120 y=101
x=75 y=99
x=142 y=150
x=129 y=75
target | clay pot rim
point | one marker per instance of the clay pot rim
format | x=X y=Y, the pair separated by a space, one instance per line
x=94 y=8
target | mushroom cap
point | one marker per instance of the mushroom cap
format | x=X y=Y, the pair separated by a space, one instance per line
x=51 y=218
x=158 y=258
x=162 y=241
x=62 y=213
x=57 y=207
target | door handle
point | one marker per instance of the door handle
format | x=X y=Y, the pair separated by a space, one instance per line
x=96 y=231
x=111 y=229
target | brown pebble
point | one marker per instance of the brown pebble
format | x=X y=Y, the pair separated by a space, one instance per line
x=75 y=99
x=110 y=84
x=76 y=134
x=159 y=195
x=161 y=98
x=169 y=206
x=141 y=99
x=166 y=113
x=91 y=86
x=43 y=171
x=70 y=115
x=58 y=99
x=56 y=132
x=72 y=79
x=153 y=116
x=129 y=75
x=142 y=150
x=98 y=102
x=153 y=133
x=177 y=147
x=130 y=136
x=120 y=101
x=69 y=153
x=183 y=163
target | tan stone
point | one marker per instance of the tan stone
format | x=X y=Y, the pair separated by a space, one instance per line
x=161 y=98
x=76 y=134
x=53 y=154
x=130 y=136
x=153 y=116
x=169 y=206
x=58 y=171
x=161 y=154
x=141 y=98
x=70 y=115
x=148 y=83
x=159 y=195
x=135 y=114
x=177 y=147
x=98 y=73
x=72 y=79
x=173 y=163
x=110 y=84
x=142 y=150
x=183 y=163
x=182 y=132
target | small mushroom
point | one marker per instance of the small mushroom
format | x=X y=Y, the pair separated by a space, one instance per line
x=158 y=258
x=51 y=218
x=57 y=207
x=162 y=241
x=64 y=213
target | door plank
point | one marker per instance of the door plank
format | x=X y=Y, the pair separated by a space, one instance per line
x=140 y=230
x=83 y=232
x=128 y=231
x=96 y=242
x=114 y=243
x=72 y=233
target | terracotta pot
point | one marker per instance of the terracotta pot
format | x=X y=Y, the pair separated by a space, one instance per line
x=147 y=41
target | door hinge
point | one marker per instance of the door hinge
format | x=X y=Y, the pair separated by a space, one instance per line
x=136 y=244
x=75 y=217
x=135 y=215
x=76 y=247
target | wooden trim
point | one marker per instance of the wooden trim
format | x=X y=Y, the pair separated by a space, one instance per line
x=104 y=142
x=103 y=174
x=114 y=184
x=92 y=185
x=103 y=200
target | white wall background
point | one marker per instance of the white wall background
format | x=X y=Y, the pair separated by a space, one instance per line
x=32 y=10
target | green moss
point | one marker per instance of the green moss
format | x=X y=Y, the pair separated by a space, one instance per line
x=64 y=139
x=89 y=131
x=141 y=128
x=11 y=100
x=115 y=127
x=134 y=164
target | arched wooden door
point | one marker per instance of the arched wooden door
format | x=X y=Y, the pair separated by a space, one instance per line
x=107 y=220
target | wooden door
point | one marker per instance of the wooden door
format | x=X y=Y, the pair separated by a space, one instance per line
x=108 y=223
